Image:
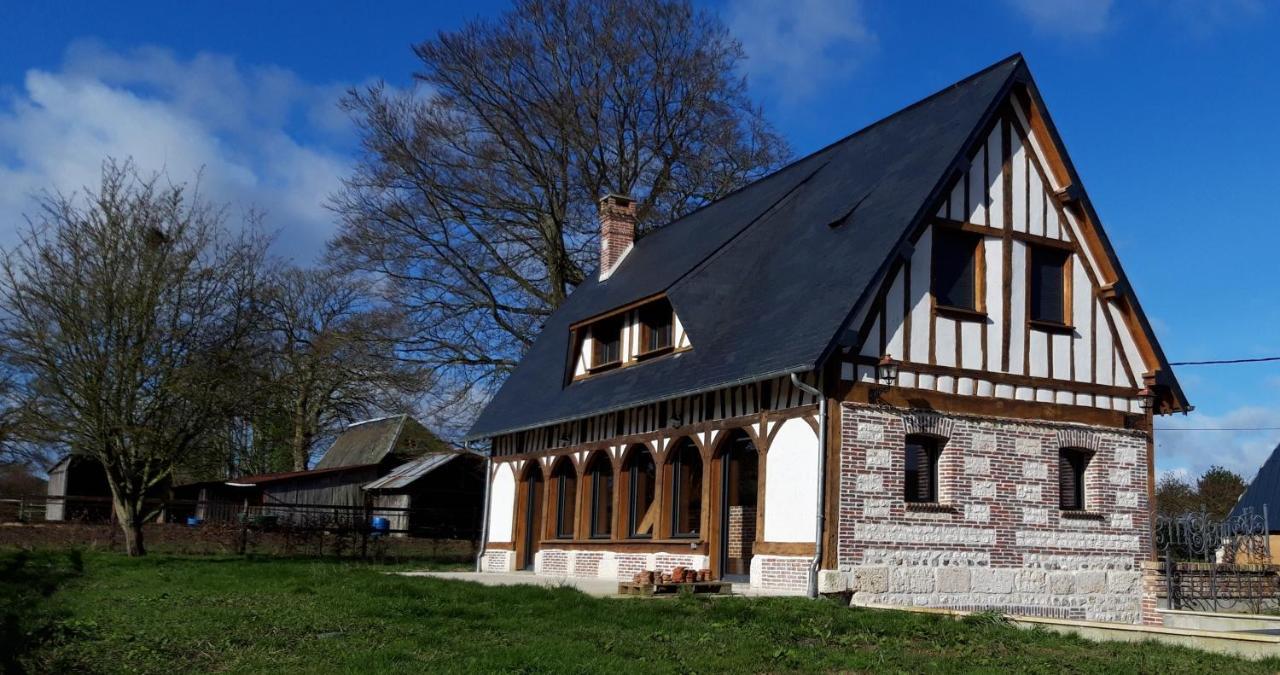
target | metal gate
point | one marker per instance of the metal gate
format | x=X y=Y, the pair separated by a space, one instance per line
x=1218 y=565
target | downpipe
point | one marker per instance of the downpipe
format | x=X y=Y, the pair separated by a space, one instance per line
x=821 y=520
x=484 y=523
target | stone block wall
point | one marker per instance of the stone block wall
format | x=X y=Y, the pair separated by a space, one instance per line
x=997 y=538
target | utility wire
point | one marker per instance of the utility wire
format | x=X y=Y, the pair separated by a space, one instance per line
x=1217 y=428
x=1224 y=361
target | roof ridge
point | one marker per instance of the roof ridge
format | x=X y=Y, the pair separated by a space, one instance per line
x=1016 y=56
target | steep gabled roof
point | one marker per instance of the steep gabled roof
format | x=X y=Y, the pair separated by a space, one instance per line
x=1263 y=491
x=366 y=442
x=766 y=279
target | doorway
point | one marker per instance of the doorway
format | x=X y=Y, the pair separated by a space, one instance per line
x=739 y=465
x=531 y=491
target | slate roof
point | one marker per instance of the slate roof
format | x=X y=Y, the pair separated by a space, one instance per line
x=765 y=279
x=1264 y=490
x=363 y=443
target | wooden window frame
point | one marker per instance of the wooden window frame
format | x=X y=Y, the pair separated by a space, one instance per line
x=596 y=363
x=646 y=329
x=933 y=447
x=1063 y=326
x=565 y=499
x=979 y=280
x=595 y=475
x=634 y=514
x=677 y=464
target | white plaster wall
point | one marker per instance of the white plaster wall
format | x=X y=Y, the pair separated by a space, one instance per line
x=502 y=503
x=791 y=483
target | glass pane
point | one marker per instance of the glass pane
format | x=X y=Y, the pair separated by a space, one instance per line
x=643 y=475
x=601 y=500
x=688 y=492
x=954 y=269
x=1047 y=292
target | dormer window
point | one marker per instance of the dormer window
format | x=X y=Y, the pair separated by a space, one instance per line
x=656 y=327
x=606 y=341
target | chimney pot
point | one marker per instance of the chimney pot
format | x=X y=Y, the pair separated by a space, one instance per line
x=617 y=231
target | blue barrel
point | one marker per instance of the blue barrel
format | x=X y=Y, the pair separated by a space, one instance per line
x=192 y=521
x=381 y=524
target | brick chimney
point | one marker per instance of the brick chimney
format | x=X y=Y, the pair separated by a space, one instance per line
x=617 y=231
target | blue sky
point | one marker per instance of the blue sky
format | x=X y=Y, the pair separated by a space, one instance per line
x=1166 y=106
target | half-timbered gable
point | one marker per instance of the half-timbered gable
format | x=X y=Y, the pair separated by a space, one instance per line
x=908 y=366
x=1000 y=295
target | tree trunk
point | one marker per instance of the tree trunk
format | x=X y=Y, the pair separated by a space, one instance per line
x=129 y=514
x=301 y=443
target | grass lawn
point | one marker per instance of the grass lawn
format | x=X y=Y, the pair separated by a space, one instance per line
x=66 y=612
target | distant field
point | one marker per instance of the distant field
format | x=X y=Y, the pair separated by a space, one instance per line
x=101 y=612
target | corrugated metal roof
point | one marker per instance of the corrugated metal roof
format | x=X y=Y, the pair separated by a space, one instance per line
x=286 y=475
x=405 y=474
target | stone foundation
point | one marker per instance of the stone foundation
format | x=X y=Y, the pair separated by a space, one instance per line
x=498 y=561
x=784 y=574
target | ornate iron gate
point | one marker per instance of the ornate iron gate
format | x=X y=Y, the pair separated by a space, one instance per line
x=1218 y=565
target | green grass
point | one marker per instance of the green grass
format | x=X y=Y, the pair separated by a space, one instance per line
x=104 y=612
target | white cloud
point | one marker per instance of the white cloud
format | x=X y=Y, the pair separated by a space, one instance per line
x=1072 y=18
x=263 y=138
x=1194 y=451
x=795 y=46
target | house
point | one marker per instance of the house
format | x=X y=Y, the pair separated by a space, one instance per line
x=1261 y=499
x=908 y=366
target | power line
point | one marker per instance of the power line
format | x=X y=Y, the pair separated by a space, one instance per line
x=1217 y=428
x=1224 y=361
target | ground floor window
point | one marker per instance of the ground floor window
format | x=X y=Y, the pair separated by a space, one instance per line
x=641 y=477
x=600 y=475
x=1072 y=463
x=921 y=470
x=686 y=490
x=565 y=480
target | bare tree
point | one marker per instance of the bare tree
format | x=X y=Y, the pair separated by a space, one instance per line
x=475 y=199
x=333 y=355
x=127 y=312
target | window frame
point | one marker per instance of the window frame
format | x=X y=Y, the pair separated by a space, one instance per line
x=565 y=476
x=1036 y=253
x=932 y=446
x=952 y=239
x=600 y=467
x=1079 y=460
x=677 y=467
x=615 y=325
x=644 y=314
x=635 y=515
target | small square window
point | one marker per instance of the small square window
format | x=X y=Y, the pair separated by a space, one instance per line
x=656 y=320
x=955 y=268
x=607 y=339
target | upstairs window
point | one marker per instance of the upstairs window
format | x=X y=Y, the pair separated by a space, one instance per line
x=1072 y=463
x=606 y=338
x=921 y=470
x=1049 y=284
x=656 y=327
x=956 y=268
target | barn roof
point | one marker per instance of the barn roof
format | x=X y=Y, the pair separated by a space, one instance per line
x=765 y=279
x=366 y=442
x=404 y=475
x=1263 y=491
x=258 y=479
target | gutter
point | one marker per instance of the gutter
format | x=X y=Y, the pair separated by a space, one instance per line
x=484 y=523
x=820 y=521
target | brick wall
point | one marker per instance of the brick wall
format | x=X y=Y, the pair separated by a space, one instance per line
x=497 y=561
x=780 y=573
x=998 y=539
x=742 y=530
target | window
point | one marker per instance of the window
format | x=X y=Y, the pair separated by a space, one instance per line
x=1049 y=284
x=656 y=327
x=641 y=479
x=565 y=481
x=607 y=338
x=955 y=268
x=686 y=490
x=600 y=473
x=1072 y=463
x=921 y=477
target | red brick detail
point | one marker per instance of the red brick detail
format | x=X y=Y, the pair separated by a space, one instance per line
x=617 y=230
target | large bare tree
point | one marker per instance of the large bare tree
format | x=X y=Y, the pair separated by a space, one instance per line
x=475 y=198
x=333 y=355
x=126 y=312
